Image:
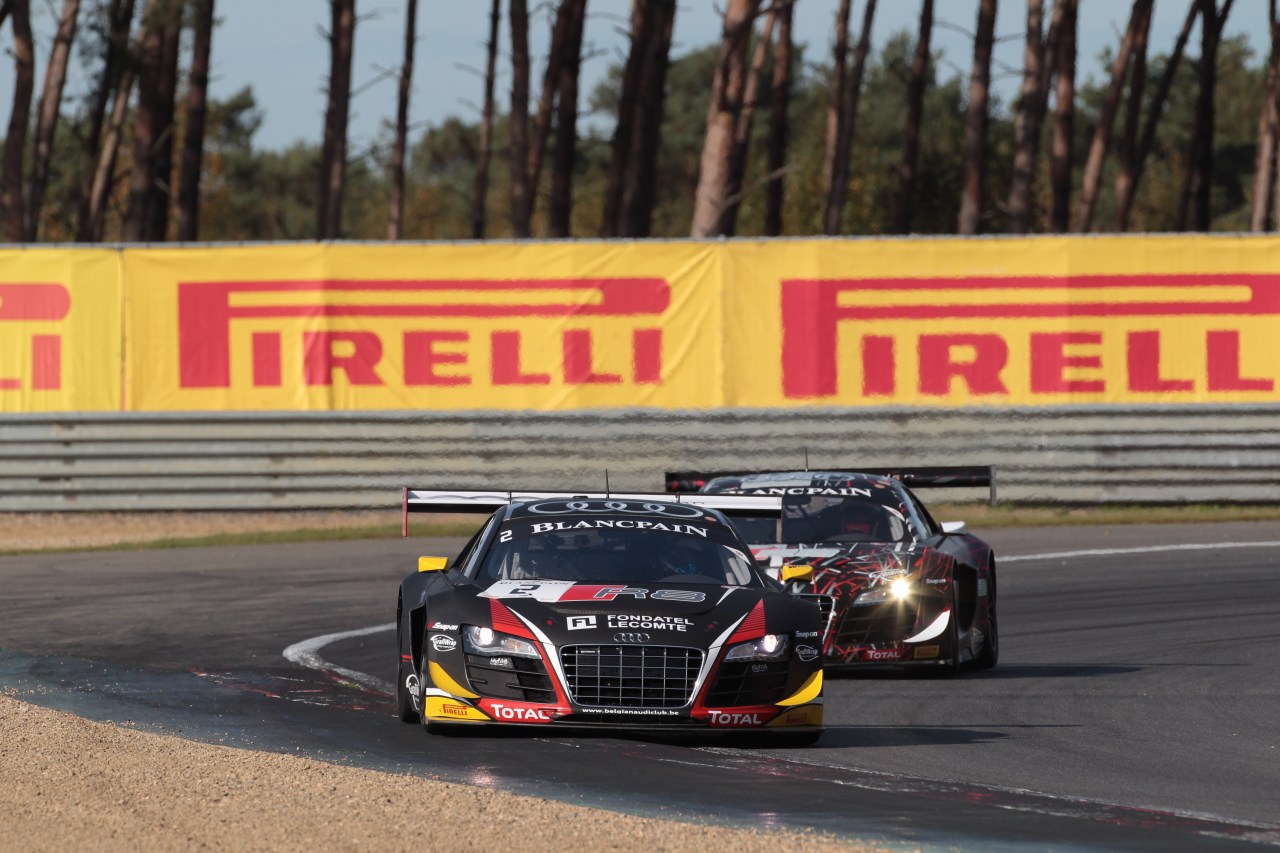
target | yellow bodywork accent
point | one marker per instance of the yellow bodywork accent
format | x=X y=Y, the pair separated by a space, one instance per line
x=811 y=690
x=797 y=573
x=432 y=564
x=439 y=708
x=445 y=682
x=808 y=715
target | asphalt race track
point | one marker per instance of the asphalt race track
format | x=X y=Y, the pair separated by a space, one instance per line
x=1135 y=706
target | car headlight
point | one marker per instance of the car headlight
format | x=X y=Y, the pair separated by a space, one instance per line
x=486 y=641
x=768 y=647
x=898 y=589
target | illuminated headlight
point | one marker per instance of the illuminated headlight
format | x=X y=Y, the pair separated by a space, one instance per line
x=486 y=641
x=768 y=647
x=898 y=589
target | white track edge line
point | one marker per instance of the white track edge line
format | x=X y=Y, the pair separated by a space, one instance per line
x=307 y=653
x=1150 y=549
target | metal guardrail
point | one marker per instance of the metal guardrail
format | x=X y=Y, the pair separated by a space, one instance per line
x=265 y=461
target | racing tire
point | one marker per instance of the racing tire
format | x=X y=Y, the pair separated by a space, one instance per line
x=405 y=708
x=951 y=665
x=990 y=652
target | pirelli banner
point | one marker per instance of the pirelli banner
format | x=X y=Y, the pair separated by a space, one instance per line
x=560 y=326
x=60 y=330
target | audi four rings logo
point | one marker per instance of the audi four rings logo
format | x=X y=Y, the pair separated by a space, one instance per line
x=631 y=638
x=592 y=506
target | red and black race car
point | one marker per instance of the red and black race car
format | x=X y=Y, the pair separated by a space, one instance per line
x=895 y=586
x=608 y=611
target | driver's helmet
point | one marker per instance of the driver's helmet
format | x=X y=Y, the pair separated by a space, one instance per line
x=656 y=557
x=857 y=517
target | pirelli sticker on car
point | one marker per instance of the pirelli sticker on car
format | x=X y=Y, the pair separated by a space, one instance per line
x=927 y=651
x=552 y=591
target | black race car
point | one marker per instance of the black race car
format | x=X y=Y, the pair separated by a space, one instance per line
x=605 y=610
x=895 y=586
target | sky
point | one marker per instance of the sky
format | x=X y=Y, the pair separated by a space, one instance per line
x=277 y=47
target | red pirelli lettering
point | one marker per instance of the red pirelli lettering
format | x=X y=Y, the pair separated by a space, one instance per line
x=206 y=310
x=37 y=303
x=814 y=309
x=34 y=302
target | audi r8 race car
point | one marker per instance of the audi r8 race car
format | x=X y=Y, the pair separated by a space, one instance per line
x=605 y=610
x=895 y=586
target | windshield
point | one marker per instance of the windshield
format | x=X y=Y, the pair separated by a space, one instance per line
x=617 y=550
x=832 y=518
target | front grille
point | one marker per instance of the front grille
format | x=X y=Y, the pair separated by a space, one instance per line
x=631 y=676
x=826 y=604
x=877 y=623
x=740 y=683
x=513 y=678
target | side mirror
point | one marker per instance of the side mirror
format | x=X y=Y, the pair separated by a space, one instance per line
x=801 y=573
x=953 y=527
x=432 y=564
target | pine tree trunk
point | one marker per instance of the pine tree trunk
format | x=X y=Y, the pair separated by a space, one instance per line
x=15 y=140
x=975 y=121
x=746 y=119
x=395 y=216
x=333 y=154
x=55 y=78
x=1030 y=115
x=145 y=128
x=120 y=18
x=518 y=119
x=1127 y=150
x=1211 y=22
x=1062 y=157
x=711 y=198
x=640 y=177
x=1268 y=134
x=192 y=164
x=480 y=199
x=838 y=189
x=563 y=154
x=541 y=131
x=1082 y=219
x=161 y=194
x=835 y=115
x=1156 y=108
x=780 y=100
x=620 y=151
x=93 y=224
x=915 y=114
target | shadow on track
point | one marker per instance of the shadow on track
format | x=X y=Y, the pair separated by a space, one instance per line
x=1004 y=671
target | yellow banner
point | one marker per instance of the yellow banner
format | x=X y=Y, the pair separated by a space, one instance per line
x=59 y=330
x=480 y=326
x=562 y=326
x=1003 y=322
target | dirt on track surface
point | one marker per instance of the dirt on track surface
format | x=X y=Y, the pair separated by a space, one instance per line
x=34 y=531
x=68 y=783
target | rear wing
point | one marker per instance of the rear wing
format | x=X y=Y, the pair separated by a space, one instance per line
x=485 y=502
x=935 y=477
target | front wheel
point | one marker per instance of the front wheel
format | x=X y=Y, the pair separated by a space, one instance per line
x=952 y=661
x=408 y=701
x=991 y=642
